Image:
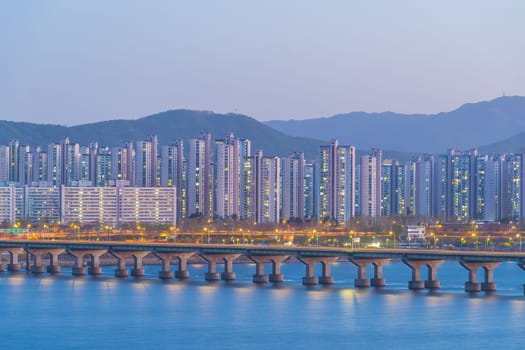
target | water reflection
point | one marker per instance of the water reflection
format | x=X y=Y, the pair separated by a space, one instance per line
x=100 y=312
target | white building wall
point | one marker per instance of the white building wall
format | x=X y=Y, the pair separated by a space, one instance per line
x=89 y=205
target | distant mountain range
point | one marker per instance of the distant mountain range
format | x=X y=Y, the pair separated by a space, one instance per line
x=168 y=126
x=471 y=125
x=498 y=124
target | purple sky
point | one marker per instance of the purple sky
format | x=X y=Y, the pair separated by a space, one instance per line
x=72 y=62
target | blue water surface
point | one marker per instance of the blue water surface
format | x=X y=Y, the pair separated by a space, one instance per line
x=66 y=312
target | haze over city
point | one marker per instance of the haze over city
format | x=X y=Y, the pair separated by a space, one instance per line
x=75 y=62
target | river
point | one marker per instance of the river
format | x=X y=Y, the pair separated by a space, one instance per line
x=66 y=312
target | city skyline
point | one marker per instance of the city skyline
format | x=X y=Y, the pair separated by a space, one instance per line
x=240 y=175
x=225 y=178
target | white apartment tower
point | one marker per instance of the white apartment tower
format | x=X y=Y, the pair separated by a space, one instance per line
x=4 y=163
x=293 y=172
x=424 y=167
x=228 y=175
x=266 y=192
x=55 y=162
x=199 y=177
x=370 y=184
x=172 y=173
x=25 y=166
x=336 y=182
x=146 y=162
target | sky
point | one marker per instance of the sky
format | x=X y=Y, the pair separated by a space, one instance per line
x=73 y=62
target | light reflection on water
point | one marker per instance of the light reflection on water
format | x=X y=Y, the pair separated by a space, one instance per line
x=105 y=312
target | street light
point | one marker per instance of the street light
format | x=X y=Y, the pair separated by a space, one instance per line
x=519 y=236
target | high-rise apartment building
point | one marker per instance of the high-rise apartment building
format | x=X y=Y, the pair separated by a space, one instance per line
x=267 y=189
x=370 y=183
x=199 y=177
x=40 y=163
x=147 y=205
x=310 y=190
x=336 y=182
x=293 y=194
x=227 y=177
x=441 y=186
x=387 y=187
x=461 y=199
x=248 y=189
x=146 y=162
x=11 y=204
x=511 y=187
x=103 y=166
x=55 y=160
x=89 y=205
x=25 y=166
x=424 y=185
x=119 y=164
x=172 y=173
x=14 y=149
x=42 y=204
x=4 y=163
x=488 y=187
x=84 y=168
x=400 y=189
x=71 y=162
x=410 y=188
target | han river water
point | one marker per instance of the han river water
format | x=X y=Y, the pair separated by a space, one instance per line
x=66 y=312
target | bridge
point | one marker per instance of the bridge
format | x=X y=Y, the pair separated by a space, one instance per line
x=44 y=256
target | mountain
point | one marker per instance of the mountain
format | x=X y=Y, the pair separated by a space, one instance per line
x=510 y=145
x=469 y=126
x=168 y=126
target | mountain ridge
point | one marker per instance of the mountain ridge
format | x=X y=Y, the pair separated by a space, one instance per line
x=186 y=124
x=168 y=126
x=468 y=126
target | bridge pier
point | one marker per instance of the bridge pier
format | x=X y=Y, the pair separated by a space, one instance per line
x=326 y=277
x=260 y=276
x=165 y=258
x=182 y=272
x=213 y=259
x=94 y=269
x=54 y=266
x=472 y=285
x=362 y=281
x=416 y=264
x=309 y=279
x=276 y=276
x=37 y=267
x=137 y=270
x=14 y=264
x=228 y=274
x=378 y=280
x=121 y=270
x=260 y=260
x=165 y=273
x=79 y=268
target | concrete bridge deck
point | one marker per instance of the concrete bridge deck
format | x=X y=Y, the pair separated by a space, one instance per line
x=214 y=254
